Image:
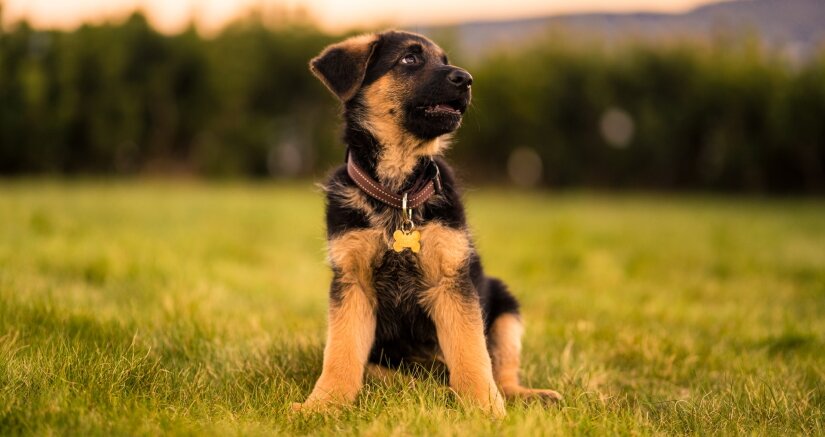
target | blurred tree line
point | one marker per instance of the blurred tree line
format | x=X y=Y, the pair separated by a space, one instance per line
x=125 y=99
x=728 y=115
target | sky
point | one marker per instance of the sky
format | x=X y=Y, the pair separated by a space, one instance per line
x=335 y=15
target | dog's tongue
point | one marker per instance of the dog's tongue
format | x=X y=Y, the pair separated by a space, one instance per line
x=443 y=107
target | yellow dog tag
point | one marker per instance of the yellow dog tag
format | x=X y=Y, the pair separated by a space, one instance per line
x=404 y=240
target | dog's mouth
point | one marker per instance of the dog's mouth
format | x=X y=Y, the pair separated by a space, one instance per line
x=436 y=115
x=453 y=108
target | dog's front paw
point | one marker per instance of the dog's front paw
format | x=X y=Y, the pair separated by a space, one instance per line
x=315 y=406
x=490 y=401
x=323 y=399
x=310 y=407
x=497 y=409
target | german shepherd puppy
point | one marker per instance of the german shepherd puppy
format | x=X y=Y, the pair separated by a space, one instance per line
x=407 y=282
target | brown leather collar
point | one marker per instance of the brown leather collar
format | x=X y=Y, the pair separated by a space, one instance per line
x=420 y=192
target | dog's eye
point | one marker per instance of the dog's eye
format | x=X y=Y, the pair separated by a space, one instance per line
x=409 y=60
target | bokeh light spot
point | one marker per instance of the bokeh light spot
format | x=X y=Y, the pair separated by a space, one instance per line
x=617 y=127
x=525 y=167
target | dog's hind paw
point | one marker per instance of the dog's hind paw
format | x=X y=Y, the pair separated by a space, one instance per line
x=545 y=396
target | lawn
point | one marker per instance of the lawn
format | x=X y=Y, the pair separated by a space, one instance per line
x=144 y=308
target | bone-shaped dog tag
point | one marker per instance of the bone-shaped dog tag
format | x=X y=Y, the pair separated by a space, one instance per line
x=405 y=240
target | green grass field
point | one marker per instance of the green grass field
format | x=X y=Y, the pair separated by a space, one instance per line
x=186 y=308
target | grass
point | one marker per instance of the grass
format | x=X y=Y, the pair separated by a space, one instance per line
x=183 y=308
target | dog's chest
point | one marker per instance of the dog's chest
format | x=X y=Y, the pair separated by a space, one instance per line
x=398 y=284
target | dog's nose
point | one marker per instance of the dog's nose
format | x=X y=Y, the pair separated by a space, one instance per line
x=460 y=78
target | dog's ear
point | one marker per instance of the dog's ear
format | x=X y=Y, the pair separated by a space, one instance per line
x=342 y=66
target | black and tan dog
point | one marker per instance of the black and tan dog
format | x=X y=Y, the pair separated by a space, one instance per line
x=407 y=282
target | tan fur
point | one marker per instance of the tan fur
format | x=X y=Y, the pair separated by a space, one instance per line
x=444 y=251
x=388 y=219
x=382 y=116
x=353 y=197
x=381 y=373
x=358 y=42
x=505 y=335
x=354 y=254
x=460 y=330
x=457 y=317
x=505 y=339
x=349 y=338
x=351 y=330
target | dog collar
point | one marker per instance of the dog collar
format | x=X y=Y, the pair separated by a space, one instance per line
x=420 y=192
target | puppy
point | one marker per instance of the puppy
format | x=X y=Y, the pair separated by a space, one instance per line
x=407 y=284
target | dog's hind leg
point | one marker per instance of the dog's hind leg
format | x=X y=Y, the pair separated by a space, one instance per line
x=381 y=373
x=505 y=351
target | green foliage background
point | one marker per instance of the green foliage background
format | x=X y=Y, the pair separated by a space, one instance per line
x=125 y=99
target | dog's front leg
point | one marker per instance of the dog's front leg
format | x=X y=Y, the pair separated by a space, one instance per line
x=351 y=329
x=460 y=331
x=453 y=305
x=349 y=339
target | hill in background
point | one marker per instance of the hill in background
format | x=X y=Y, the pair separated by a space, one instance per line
x=796 y=27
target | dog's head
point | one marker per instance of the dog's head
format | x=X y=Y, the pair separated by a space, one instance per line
x=397 y=85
